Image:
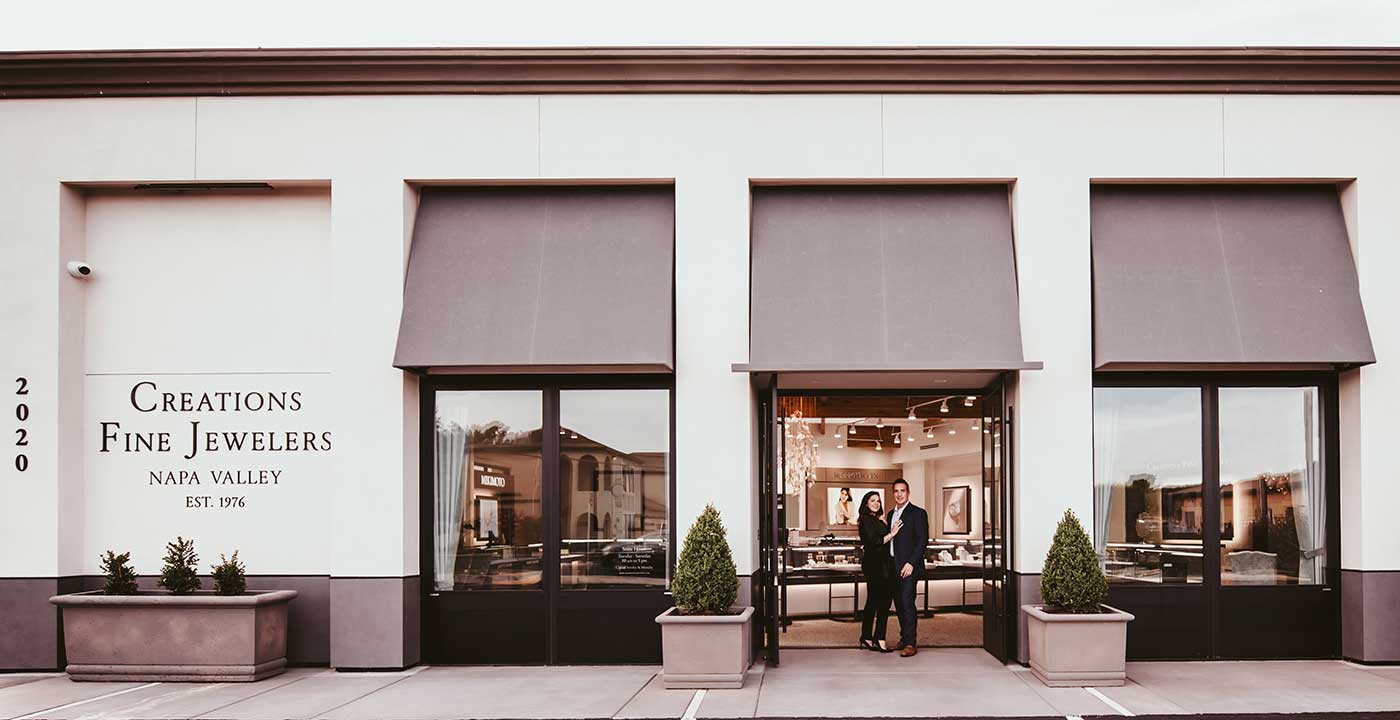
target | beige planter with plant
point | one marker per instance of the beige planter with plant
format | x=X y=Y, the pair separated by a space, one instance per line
x=121 y=634
x=706 y=642
x=1074 y=639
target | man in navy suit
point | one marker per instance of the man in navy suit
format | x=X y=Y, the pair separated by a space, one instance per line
x=908 y=550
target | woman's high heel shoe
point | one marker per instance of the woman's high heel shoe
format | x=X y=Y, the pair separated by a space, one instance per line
x=877 y=647
x=868 y=644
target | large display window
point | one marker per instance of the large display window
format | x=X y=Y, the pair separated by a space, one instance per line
x=1215 y=512
x=535 y=489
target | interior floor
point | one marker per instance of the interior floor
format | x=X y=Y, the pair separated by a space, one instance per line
x=950 y=629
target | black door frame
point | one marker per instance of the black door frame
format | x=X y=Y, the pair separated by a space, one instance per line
x=1236 y=618
x=548 y=599
x=773 y=535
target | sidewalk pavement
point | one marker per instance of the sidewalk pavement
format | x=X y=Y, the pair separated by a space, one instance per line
x=809 y=683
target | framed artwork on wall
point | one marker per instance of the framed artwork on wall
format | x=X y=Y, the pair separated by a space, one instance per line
x=488 y=519
x=956 y=512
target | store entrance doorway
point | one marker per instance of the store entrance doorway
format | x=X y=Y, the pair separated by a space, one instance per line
x=825 y=453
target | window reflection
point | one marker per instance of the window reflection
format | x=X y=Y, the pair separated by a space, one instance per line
x=615 y=445
x=1270 y=466
x=1147 y=484
x=486 y=481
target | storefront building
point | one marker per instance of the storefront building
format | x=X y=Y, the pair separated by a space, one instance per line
x=458 y=343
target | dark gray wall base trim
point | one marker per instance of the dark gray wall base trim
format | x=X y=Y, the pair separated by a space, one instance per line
x=1371 y=616
x=375 y=622
x=31 y=636
x=29 y=631
x=1027 y=593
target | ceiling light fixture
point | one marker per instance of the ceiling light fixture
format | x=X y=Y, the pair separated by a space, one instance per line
x=912 y=416
x=852 y=430
x=880 y=423
x=838 y=434
x=944 y=407
x=951 y=431
x=878 y=446
x=839 y=446
x=968 y=401
x=974 y=426
x=929 y=433
x=896 y=439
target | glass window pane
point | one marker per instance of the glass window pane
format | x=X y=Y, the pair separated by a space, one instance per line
x=487 y=529
x=1273 y=501
x=615 y=448
x=1147 y=484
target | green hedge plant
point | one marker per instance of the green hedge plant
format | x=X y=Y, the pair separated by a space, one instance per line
x=229 y=576
x=1072 y=581
x=119 y=576
x=180 y=575
x=705 y=581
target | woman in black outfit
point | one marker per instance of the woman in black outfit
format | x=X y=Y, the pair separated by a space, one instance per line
x=877 y=565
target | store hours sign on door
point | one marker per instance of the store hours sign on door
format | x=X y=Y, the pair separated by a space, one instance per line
x=237 y=459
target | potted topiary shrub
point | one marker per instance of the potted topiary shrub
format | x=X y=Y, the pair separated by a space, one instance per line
x=706 y=642
x=121 y=634
x=1075 y=639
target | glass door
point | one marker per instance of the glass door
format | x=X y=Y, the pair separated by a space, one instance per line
x=995 y=597
x=547 y=534
x=1216 y=512
x=771 y=526
x=486 y=594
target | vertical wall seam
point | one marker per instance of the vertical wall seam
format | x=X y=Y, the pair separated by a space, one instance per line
x=539 y=136
x=1223 y=166
x=196 y=139
x=882 y=134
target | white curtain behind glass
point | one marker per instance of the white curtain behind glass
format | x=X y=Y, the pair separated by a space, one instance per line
x=1107 y=407
x=449 y=462
x=1309 y=501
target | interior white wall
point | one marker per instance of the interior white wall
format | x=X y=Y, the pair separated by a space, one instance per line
x=712 y=146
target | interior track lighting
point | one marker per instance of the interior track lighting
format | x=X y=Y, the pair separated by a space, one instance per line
x=880 y=424
x=944 y=407
x=852 y=430
x=896 y=439
x=912 y=416
x=968 y=401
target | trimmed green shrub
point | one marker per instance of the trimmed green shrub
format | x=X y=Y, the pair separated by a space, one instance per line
x=705 y=581
x=120 y=576
x=229 y=576
x=179 y=575
x=1072 y=580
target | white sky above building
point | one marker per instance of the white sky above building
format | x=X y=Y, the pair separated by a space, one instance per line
x=100 y=24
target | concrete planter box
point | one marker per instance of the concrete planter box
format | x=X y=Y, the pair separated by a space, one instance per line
x=705 y=651
x=175 y=638
x=1078 y=650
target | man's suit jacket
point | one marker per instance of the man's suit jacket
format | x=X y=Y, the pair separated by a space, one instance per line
x=912 y=540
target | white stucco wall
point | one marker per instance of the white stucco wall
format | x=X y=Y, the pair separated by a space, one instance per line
x=712 y=146
x=638 y=23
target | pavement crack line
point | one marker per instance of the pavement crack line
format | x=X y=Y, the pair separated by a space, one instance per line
x=1110 y=702
x=328 y=711
x=40 y=713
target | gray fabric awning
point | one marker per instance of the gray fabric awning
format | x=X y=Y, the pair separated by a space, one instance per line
x=883 y=279
x=1257 y=275
x=543 y=279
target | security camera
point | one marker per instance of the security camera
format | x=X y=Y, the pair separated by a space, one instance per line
x=80 y=269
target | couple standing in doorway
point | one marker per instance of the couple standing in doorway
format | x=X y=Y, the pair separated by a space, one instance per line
x=893 y=564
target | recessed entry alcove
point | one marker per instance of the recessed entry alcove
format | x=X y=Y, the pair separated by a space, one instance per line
x=198 y=399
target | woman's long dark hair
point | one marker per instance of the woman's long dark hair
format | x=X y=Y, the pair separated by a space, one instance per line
x=865 y=505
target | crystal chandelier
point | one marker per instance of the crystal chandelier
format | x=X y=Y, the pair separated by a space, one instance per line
x=799 y=454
